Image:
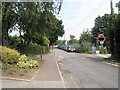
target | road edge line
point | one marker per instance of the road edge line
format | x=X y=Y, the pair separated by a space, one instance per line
x=63 y=82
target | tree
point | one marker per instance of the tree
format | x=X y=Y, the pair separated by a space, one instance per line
x=60 y=42
x=40 y=39
x=72 y=40
x=103 y=26
x=117 y=36
x=8 y=20
x=28 y=16
x=86 y=37
x=14 y=42
x=44 y=22
x=33 y=19
x=109 y=25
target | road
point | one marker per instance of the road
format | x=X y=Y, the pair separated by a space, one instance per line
x=86 y=70
x=77 y=71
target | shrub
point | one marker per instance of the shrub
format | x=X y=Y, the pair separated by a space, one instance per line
x=32 y=64
x=9 y=55
x=5 y=66
x=82 y=49
x=29 y=64
x=103 y=50
x=21 y=64
x=23 y=58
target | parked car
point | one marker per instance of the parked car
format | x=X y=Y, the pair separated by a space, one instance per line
x=70 y=49
x=65 y=48
x=55 y=46
x=61 y=47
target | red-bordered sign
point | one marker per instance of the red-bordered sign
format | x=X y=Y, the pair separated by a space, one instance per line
x=101 y=38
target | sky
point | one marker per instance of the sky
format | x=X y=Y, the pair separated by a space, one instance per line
x=79 y=15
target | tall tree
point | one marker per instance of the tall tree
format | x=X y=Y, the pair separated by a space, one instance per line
x=32 y=18
x=72 y=40
x=102 y=26
x=8 y=19
x=86 y=37
x=117 y=36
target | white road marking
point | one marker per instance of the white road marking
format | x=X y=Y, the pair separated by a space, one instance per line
x=74 y=82
x=63 y=82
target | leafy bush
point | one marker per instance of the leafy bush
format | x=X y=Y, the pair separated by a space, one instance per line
x=30 y=64
x=21 y=64
x=103 y=50
x=82 y=49
x=9 y=55
x=23 y=58
x=12 y=56
x=5 y=65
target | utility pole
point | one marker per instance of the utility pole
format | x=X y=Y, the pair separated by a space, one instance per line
x=111 y=7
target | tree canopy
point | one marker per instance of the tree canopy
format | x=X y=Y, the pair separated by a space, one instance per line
x=86 y=36
x=72 y=40
x=36 y=20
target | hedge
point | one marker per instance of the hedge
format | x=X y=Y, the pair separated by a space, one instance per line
x=35 y=49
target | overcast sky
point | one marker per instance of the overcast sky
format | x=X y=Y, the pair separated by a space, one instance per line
x=78 y=15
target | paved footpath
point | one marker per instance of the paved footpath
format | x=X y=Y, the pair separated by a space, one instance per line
x=48 y=76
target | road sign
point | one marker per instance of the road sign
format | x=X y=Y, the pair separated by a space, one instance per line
x=101 y=38
x=101 y=43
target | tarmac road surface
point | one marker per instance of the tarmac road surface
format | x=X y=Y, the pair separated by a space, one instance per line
x=86 y=70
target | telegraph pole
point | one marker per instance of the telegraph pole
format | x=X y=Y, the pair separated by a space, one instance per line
x=111 y=7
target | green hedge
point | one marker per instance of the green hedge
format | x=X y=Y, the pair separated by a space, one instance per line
x=82 y=49
x=35 y=49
